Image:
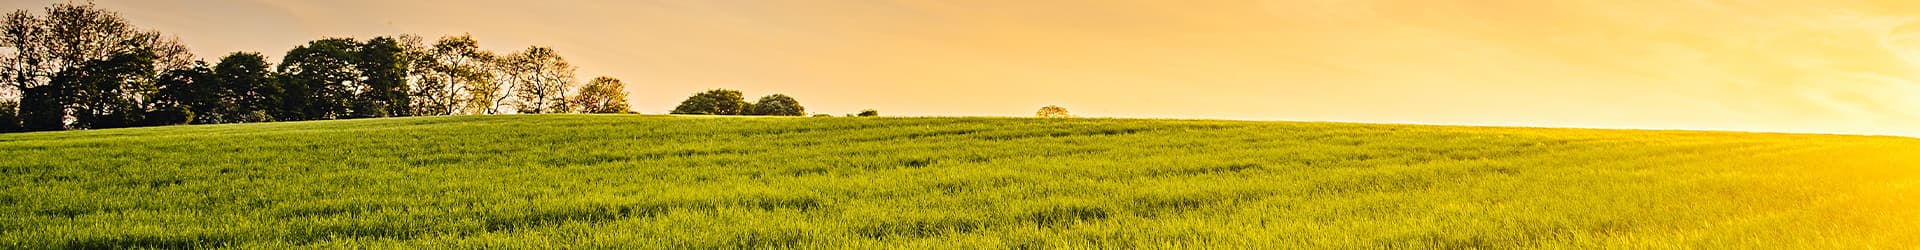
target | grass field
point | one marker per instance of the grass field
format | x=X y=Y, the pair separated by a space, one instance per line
x=618 y=181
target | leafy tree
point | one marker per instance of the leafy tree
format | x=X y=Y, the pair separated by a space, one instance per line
x=109 y=93
x=317 y=80
x=192 y=95
x=245 y=81
x=382 y=85
x=1051 y=111
x=491 y=96
x=868 y=113
x=9 y=116
x=713 y=102
x=186 y=96
x=601 y=95
x=43 y=108
x=455 y=70
x=544 y=82
x=778 y=104
x=69 y=36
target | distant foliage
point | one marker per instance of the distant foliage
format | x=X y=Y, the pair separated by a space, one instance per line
x=542 y=80
x=823 y=115
x=455 y=78
x=602 y=95
x=778 y=105
x=9 y=116
x=713 y=102
x=1051 y=111
x=319 y=79
x=868 y=113
x=75 y=66
x=244 y=84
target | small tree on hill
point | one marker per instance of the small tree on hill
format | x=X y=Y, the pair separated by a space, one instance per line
x=779 y=105
x=1051 y=111
x=713 y=102
x=601 y=95
x=868 y=113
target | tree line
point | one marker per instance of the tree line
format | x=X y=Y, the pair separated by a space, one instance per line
x=76 y=66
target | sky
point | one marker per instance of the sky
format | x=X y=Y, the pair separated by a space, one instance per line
x=1845 y=67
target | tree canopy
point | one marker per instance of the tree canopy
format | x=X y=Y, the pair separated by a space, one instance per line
x=601 y=95
x=778 y=105
x=713 y=102
x=76 y=66
x=1051 y=111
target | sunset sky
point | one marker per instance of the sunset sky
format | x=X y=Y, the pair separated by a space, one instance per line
x=1792 y=66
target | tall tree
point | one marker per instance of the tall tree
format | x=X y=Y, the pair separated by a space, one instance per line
x=38 y=49
x=318 y=80
x=109 y=93
x=509 y=74
x=455 y=69
x=601 y=95
x=713 y=102
x=382 y=85
x=245 y=81
x=192 y=95
x=545 y=82
x=778 y=104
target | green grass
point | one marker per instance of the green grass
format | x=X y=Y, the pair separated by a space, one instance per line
x=621 y=181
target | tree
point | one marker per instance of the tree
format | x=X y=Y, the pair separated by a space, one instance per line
x=318 y=80
x=245 y=81
x=869 y=113
x=545 y=82
x=507 y=72
x=778 y=104
x=9 y=116
x=381 y=91
x=601 y=95
x=43 y=108
x=110 y=93
x=454 y=69
x=191 y=95
x=39 y=49
x=713 y=102
x=1051 y=111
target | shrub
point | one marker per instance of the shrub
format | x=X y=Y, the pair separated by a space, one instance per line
x=778 y=104
x=1051 y=111
x=713 y=102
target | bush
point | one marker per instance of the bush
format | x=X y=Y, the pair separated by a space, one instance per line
x=869 y=113
x=713 y=102
x=9 y=118
x=822 y=115
x=1051 y=111
x=778 y=104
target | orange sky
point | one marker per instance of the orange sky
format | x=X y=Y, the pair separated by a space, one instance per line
x=1796 y=66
